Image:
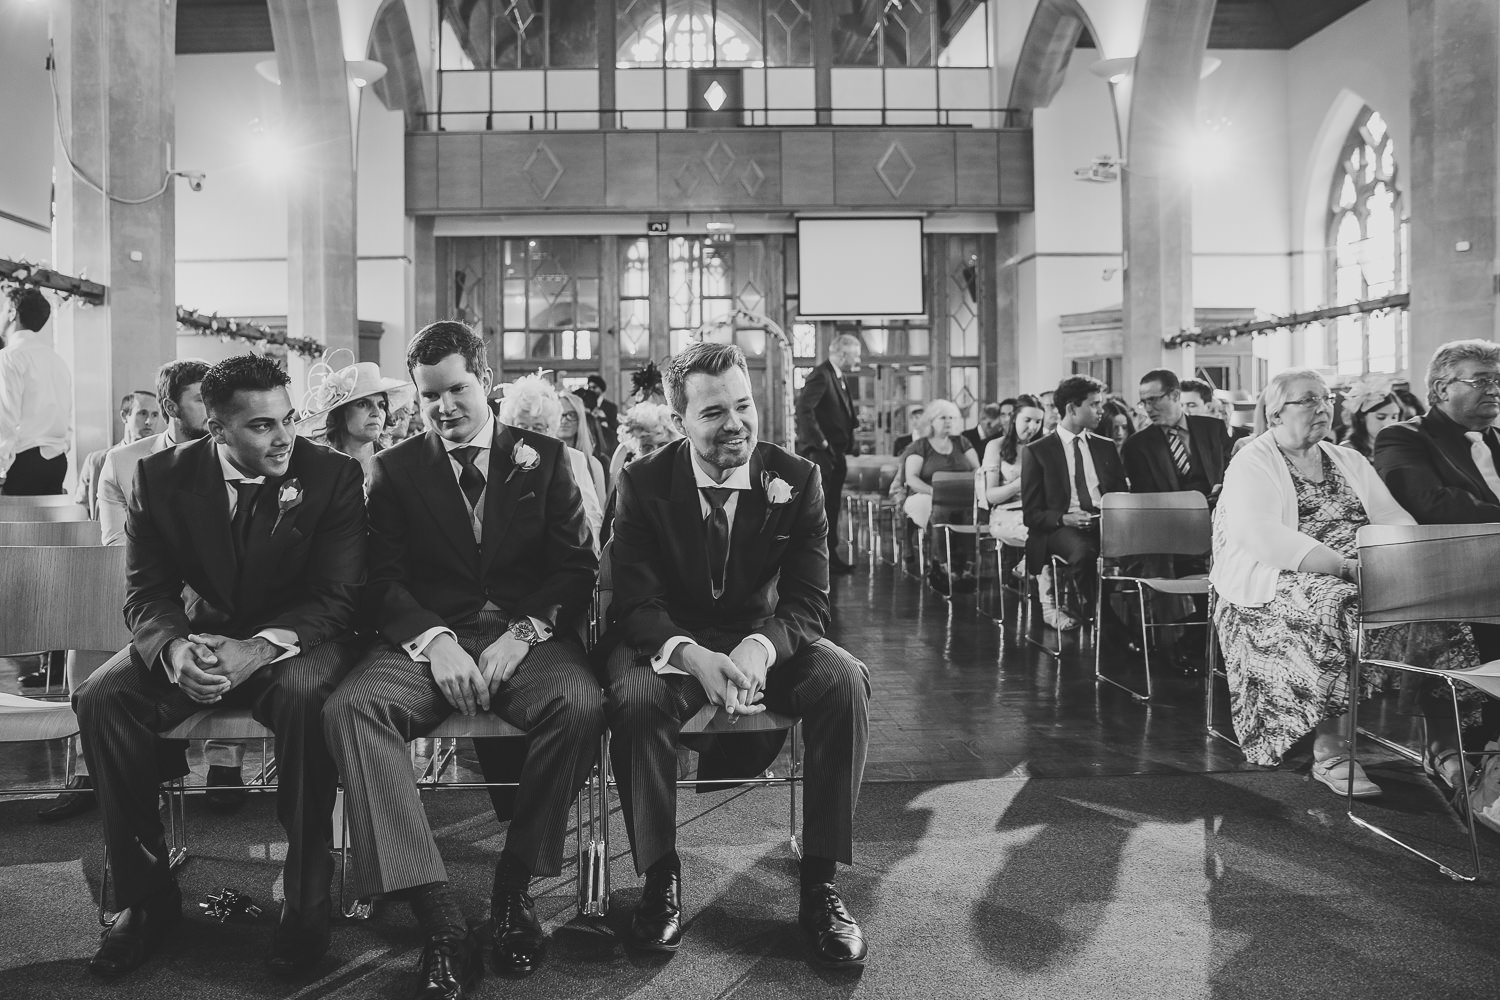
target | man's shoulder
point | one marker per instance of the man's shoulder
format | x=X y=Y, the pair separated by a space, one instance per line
x=775 y=458
x=319 y=461
x=1211 y=426
x=172 y=461
x=1416 y=431
x=1140 y=441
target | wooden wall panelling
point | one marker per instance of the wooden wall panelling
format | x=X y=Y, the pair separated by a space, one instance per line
x=1017 y=173
x=421 y=172
x=977 y=168
x=458 y=171
x=894 y=168
x=542 y=170
x=807 y=176
x=728 y=168
x=630 y=169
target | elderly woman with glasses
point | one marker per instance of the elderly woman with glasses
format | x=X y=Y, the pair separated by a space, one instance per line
x=531 y=404
x=1284 y=571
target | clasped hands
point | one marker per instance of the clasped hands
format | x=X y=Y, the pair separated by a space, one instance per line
x=209 y=666
x=735 y=680
x=466 y=684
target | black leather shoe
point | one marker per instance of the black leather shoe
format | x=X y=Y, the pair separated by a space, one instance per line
x=831 y=934
x=516 y=939
x=136 y=933
x=220 y=798
x=71 y=803
x=657 y=921
x=836 y=565
x=300 y=941
x=449 y=968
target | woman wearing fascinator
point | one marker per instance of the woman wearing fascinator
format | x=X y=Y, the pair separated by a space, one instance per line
x=1369 y=404
x=348 y=408
x=646 y=386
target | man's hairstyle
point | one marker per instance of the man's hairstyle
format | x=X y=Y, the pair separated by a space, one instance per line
x=127 y=401
x=598 y=380
x=1443 y=367
x=241 y=373
x=991 y=410
x=175 y=377
x=842 y=344
x=32 y=308
x=1074 y=389
x=1009 y=401
x=436 y=341
x=1197 y=385
x=708 y=359
x=1166 y=376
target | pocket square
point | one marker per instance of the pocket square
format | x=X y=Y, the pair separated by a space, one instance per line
x=782 y=538
x=529 y=496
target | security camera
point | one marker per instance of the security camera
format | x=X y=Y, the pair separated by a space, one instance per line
x=193 y=177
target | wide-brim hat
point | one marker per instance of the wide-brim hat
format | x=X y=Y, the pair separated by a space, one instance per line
x=329 y=388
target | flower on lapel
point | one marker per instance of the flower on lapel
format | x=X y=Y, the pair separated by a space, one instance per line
x=779 y=492
x=523 y=458
x=288 y=498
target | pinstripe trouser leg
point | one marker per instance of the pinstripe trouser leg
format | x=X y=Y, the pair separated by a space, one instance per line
x=823 y=685
x=390 y=700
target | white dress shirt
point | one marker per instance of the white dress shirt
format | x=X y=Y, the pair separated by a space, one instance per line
x=36 y=399
x=117 y=481
x=739 y=479
x=1090 y=474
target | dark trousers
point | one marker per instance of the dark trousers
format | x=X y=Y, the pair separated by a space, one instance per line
x=31 y=475
x=125 y=704
x=834 y=469
x=390 y=700
x=823 y=685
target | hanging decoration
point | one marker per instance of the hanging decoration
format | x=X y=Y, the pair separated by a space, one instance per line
x=214 y=325
x=1199 y=336
x=65 y=288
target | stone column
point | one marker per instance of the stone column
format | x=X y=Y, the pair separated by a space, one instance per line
x=1455 y=173
x=114 y=76
x=1157 y=188
x=315 y=97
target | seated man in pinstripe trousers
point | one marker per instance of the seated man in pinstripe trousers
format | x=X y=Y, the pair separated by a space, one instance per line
x=721 y=562
x=479 y=556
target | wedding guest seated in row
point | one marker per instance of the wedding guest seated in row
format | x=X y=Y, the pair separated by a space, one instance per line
x=941 y=449
x=1285 y=567
x=245 y=557
x=531 y=404
x=647 y=426
x=573 y=431
x=1116 y=421
x=141 y=415
x=1369 y=404
x=349 y=408
x=480 y=559
x=731 y=613
x=1002 y=471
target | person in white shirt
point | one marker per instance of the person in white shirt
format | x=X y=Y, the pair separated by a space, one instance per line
x=36 y=401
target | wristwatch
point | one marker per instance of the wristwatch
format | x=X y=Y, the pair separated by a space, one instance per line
x=522 y=629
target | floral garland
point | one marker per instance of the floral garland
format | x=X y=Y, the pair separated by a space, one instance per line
x=213 y=325
x=65 y=288
x=1199 y=336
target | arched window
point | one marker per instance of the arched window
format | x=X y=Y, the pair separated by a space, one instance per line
x=1366 y=251
x=686 y=34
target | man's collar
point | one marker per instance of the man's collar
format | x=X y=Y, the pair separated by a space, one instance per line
x=1066 y=436
x=231 y=473
x=739 y=478
x=1441 y=416
x=483 y=438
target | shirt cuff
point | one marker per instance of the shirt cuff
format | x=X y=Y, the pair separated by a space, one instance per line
x=166 y=662
x=770 y=649
x=283 y=638
x=417 y=648
x=662 y=661
x=542 y=628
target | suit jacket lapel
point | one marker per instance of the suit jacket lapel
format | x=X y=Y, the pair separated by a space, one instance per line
x=1166 y=469
x=438 y=487
x=749 y=518
x=685 y=520
x=204 y=508
x=841 y=387
x=1457 y=449
x=500 y=496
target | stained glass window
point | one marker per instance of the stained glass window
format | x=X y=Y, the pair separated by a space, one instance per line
x=692 y=33
x=635 y=298
x=550 y=299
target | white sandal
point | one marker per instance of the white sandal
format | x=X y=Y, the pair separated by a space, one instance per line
x=1334 y=772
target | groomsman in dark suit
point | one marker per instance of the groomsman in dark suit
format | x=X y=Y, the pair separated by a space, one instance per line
x=721 y=567
x=479 y=560
x=826 y=422
x=246 y=553
x=1178 y=451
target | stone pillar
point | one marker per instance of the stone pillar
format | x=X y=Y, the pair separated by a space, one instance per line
x=1158 y=195
x=315 y=97
x=115 y=68
x=1455 y=173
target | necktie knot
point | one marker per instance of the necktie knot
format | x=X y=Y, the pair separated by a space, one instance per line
x=717 y=496
x=1476 y=436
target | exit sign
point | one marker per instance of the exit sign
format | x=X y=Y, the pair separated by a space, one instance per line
x=657 y=226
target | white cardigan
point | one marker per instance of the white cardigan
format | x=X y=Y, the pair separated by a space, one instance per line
x=1255 y=525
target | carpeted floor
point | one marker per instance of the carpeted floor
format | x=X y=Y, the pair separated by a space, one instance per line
x=1230 y=885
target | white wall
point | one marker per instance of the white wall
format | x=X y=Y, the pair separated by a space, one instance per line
x=26 y=120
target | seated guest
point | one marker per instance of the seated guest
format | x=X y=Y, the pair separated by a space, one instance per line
x=647 y=427
x=573 y=431
x=1063 y=475
x=1284 y=570
x=404 y=423
x=1116 y=421
x=989 y=429
x=349 y=409
x=1178 y=451
x=479 y=560
x=531 y=404
x=916 y=426
x=1369 y=404
x=246 y=554
x=140 y=413
x=730 y=613
x=1007 y=414
x=941 y=449
x=1002 y=471
x=1049 y=408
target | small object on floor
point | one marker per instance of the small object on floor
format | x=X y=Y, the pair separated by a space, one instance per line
x=657 y=921
x=136 y=933
x=1334 y=772
x=224 y=794
x=831 y=934
x=78 y=800
x=229 y=903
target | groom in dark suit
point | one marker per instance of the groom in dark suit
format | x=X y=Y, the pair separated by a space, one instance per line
x=826 y=422
x=480 y=559
x=246 y=553
x=721 y=566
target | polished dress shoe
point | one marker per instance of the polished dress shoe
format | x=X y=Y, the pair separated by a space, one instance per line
x=136 y=933
x=831 y=934
x=222 y=795
x=450 y=967
x=657 y=921
x=79 y=800
x=300 y=941
x=837 y=565
x=516 y=939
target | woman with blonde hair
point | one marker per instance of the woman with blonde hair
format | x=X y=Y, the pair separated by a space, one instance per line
x=531 y=404
x=573 y=431
x=645 y=427
x=941 y=449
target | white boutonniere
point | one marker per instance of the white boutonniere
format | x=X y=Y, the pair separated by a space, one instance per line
x=288 y=498
x=778 y=492
x=523 y=458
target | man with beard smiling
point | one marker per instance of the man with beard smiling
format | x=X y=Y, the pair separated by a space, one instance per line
x=721 y=567
x=245 y=558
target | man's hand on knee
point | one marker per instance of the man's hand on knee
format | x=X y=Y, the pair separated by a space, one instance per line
x=457 y=675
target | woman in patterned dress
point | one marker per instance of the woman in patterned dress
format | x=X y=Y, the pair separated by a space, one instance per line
x=1284 y=568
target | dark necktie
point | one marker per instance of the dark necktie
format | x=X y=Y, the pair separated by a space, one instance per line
x=1179 y=451
x=717 y=533
x=244 y=510
x=1080 y=481
x=470 y=479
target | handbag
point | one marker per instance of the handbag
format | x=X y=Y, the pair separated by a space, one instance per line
x=1484 y=794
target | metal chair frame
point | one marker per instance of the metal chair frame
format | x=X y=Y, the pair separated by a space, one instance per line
x=1214 y=671
x=951 y=493
x=1062 y=576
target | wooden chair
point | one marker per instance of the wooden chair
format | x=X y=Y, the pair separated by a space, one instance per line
x=49 y=508
x=1426 y=573
x=1149 y=524
x=49 y=533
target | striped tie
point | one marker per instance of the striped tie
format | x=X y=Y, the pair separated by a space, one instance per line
x=1179 y=452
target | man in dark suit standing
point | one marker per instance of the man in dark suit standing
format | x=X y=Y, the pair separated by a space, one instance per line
x=721 y=564
x=480 y=559
x=1063 y=476
x=826 y=422
x=608 y=414
x=246 y=553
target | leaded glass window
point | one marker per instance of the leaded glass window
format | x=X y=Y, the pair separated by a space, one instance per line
x=550 y=299
x=690 y=33
x=635 y=298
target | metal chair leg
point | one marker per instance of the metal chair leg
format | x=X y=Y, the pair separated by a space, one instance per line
x=795 y=737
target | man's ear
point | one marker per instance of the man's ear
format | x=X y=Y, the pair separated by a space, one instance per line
x=215 y=430
x=678 y=424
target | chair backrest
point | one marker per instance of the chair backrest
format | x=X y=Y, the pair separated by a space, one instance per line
x=1428 y=572
x=604 y=590
x=1167 y=524
x=48 y=508
x=50 y=533
x=952 y=494
x=887 y=476
x=62 y=597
